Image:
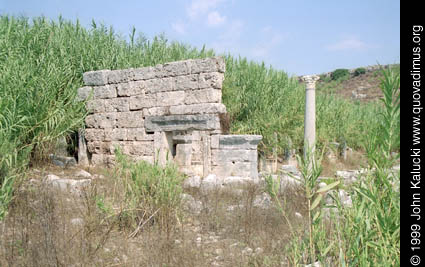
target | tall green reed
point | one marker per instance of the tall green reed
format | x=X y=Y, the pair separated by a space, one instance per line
x=42 y=62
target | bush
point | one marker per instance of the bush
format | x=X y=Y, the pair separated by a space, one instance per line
x=324 y=78
x=340 y=74
x=152 y=192
x=359 y=71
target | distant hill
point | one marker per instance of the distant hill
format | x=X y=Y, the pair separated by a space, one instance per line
x=364 y=87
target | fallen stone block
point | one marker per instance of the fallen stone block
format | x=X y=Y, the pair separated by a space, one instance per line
x=62 y=161
x=193 y=182
x=211 y=183
x=83 y=174
x=70 y=185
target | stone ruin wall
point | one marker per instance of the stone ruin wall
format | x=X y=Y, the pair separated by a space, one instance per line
x=167 y=112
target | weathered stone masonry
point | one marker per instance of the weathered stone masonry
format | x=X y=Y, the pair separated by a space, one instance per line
x=167 y=112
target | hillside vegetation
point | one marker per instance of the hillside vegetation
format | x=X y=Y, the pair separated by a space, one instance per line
x=42 y=62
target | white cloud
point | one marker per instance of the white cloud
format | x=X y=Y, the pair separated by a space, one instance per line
x=179 y=27
x=215 y=19
x=349 y=43
x=201 y=7
x=229 y=39
x=271 y=40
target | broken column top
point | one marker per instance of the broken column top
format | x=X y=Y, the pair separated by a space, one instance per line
x=310 y=80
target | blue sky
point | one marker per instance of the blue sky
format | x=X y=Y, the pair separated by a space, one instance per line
x=300 y=37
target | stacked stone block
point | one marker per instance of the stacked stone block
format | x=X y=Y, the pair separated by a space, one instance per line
x=121 y=102
x=235 y=155
x=167 y=112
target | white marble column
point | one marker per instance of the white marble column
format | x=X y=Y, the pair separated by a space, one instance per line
x=310 y=113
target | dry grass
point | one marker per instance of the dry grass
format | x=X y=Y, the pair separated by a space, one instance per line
x=40 y=231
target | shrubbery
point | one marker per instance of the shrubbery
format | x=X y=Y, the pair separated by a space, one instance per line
x=359 y=71
x=340 y=74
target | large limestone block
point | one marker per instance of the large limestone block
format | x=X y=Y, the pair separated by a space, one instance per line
x=211 y=80
x=160 y=85
x=115 y=134
x=182 y=122
x=235 y=141
x=101 y=120
x=120 y=104
x=120 y=76
x=130 y=88
x=140 y=148
x=138 y=134
x=206 y=108
x=215 y=64
x=94 y=134
x=131 y=148
x=170 y=98
x=209 y=95
x=142 y=101
x=177 y=68
x=96 y=105
x=132 y=119
x=104 y=91
x=99 y=77
x=147 y=73
x=187 y=82
x=156 y=111
x=225 y=156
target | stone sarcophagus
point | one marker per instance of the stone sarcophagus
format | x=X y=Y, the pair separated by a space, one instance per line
x=170 y=112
